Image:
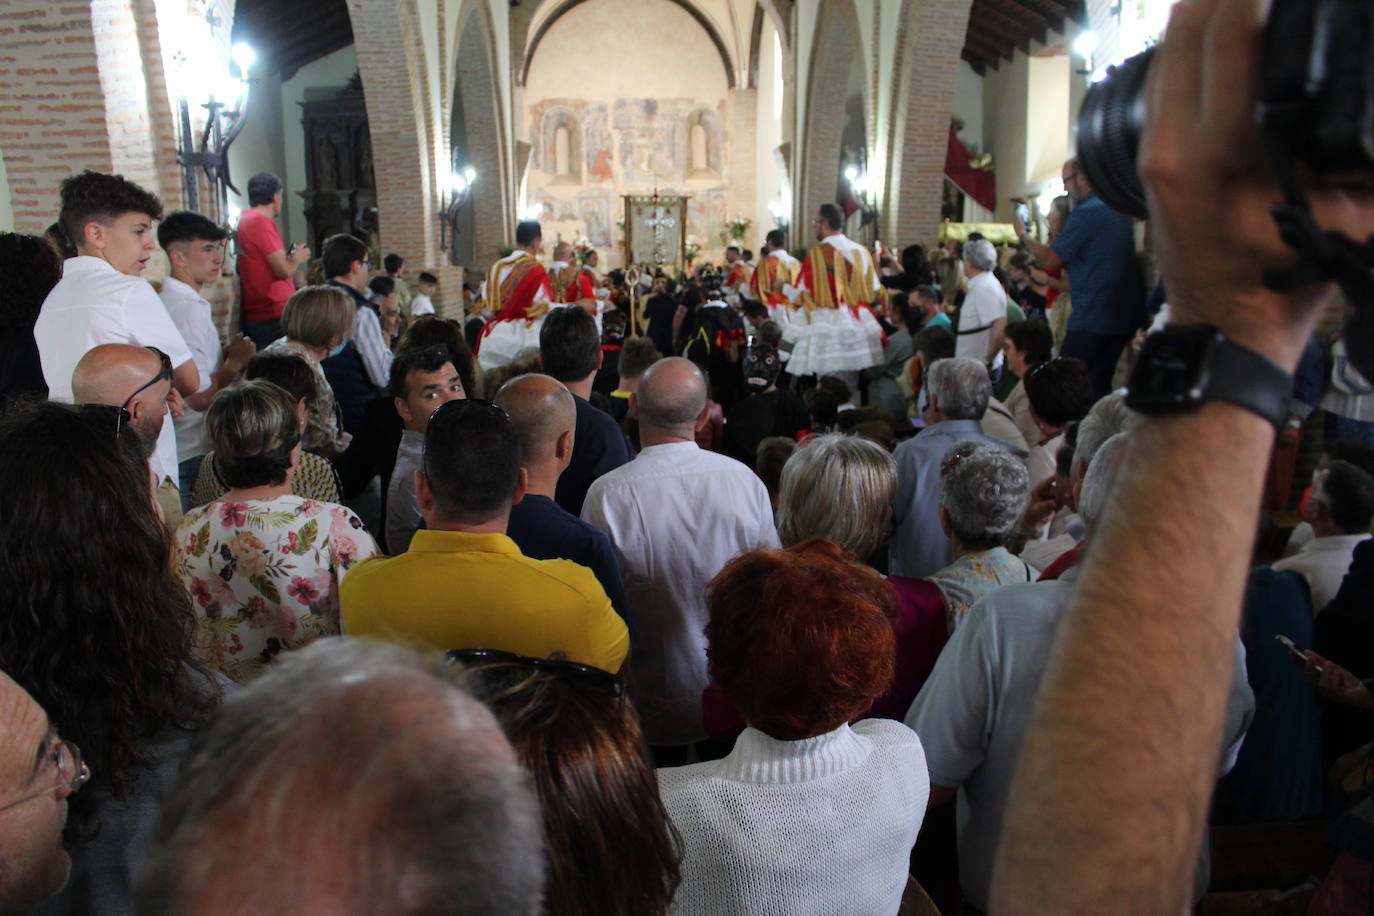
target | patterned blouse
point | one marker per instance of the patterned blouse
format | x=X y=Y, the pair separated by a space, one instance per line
x=264 y=575
x=315 y=478
x=976 y=574
x=323 y=429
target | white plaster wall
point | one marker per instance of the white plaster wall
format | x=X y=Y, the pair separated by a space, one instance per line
x=1047 y=122
x=968 y=105
x=261 y=147
x=6 y=209
x=1005 y=104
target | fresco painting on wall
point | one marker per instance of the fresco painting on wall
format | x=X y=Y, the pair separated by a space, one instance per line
x=594 y=209
x=600 y=158
x=626 y=146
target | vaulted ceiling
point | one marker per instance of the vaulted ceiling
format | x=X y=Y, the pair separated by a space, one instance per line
x=999 y=28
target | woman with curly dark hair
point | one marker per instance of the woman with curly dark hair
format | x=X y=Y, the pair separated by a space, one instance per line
x=610 y=848
x=97 y=629
x=31 y=268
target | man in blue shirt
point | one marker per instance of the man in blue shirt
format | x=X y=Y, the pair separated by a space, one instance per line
x=1097 y=246
x=545 y=416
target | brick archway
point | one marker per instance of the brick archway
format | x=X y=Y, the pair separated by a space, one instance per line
x=473 y=75
x=835 y=44
x=929 y=41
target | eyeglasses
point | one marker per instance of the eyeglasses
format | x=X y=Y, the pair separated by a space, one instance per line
x=596 y=677
x=72 y=774
x=164 y=373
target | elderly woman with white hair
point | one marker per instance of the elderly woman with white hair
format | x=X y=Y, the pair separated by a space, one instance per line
x=983 y=316
x=983 y=496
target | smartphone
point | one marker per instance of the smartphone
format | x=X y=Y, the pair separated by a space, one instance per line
x=1293 y=650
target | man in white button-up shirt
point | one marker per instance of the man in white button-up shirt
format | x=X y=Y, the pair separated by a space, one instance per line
x=675 y=516
x=103 y=299
x=1339 y=511
x=983 y=316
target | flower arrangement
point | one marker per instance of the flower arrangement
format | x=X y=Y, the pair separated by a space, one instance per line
x=691 y=251
x=737 y=227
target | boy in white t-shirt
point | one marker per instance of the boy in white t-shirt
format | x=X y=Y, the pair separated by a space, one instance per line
x=426 y=287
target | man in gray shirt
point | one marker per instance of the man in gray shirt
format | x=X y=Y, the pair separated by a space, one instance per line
x=958 y=391
x=973 y=712
x=421 y=380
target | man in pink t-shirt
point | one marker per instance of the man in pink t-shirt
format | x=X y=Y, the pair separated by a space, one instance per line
x=265 y=268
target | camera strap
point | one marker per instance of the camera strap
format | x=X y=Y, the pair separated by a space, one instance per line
x=1326 y=256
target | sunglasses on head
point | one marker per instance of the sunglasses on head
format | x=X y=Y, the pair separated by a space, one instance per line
x=596 y=677
x=165 y=372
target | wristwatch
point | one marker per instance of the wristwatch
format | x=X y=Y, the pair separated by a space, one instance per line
x=1182 y=367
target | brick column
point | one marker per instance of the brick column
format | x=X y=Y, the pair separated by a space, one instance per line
x=836 y=43
x=929 y=40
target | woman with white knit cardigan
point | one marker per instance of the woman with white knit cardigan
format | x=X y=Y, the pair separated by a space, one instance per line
x=808 y=814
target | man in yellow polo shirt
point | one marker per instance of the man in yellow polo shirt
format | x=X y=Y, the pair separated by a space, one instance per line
x=463 y=584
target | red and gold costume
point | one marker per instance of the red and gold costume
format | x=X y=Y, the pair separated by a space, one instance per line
x=570 y=283
x=834 y=328
x=739 y=278
x=776 y=270
x=518 y=293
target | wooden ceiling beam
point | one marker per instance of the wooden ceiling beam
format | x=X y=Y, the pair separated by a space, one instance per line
x=989 y=20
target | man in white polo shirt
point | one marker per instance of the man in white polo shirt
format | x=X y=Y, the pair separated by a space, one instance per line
x=101 y=299
x=983 y=316
x=195 y=254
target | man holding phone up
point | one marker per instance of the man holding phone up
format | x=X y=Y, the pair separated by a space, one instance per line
x=265 y=268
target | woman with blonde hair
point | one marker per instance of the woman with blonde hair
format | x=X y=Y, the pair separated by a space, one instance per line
x=840 y=488
x=317 y=321
x=263 y=565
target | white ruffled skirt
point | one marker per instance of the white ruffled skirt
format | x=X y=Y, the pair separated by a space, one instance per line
x=506 y=340
x=833 y=340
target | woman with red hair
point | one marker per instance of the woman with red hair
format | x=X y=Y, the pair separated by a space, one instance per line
x=808 y=813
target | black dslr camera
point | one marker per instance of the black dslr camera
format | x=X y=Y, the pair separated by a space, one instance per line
x=1315 y=112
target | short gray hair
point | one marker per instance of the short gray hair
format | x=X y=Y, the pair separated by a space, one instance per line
x=1105 y=419
x=981 y=254
x=985 y=490
x=399 y=785
x=1101 y=477
x=961 y=386
x=839 y=488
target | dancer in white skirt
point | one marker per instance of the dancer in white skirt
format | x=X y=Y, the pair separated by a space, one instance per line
x=833 y=329
x=519 y=295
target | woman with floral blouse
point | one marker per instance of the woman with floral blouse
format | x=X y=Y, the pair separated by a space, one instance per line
x=262 y=565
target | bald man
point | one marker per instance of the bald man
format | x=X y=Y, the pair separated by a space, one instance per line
x=545 y=418
x=139 y=380
x=37 y=773
x=675 y=515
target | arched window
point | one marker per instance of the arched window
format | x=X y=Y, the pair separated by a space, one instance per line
x=698 y=158
x=562 y=152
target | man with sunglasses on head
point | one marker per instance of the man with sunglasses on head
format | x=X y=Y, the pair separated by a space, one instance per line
x=463 y=583
x=103 y=299
x=37 y=772
x=138 y=380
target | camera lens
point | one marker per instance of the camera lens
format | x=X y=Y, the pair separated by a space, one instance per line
x=1109 y=127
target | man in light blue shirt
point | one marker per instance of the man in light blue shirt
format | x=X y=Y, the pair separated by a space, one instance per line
x=958 y=391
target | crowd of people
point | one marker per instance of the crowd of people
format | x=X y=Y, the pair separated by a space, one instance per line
x=692 y=597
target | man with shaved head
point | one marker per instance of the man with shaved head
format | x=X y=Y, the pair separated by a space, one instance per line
x=364 y=781
x=545 y=419
x=139 y=380
x=37 y=773
x=675 y=516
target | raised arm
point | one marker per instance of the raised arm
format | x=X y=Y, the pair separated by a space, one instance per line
x=1128 y=724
